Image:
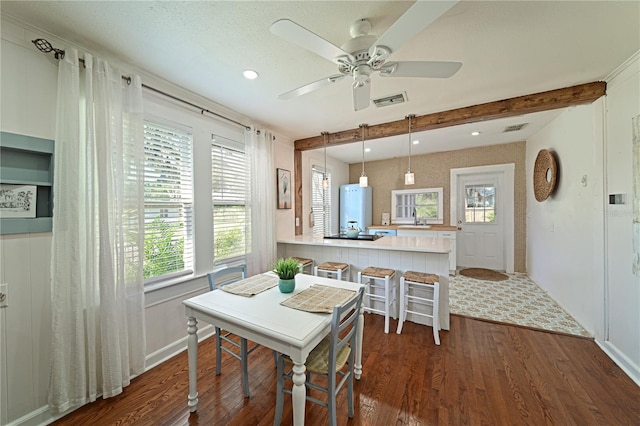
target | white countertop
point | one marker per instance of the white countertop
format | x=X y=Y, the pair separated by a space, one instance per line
x=417 y=244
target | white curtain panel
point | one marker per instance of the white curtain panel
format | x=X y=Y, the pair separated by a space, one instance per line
x=97 y=291
x=261 y=247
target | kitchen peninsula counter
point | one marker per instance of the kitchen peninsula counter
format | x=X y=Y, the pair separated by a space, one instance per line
x=399 y=253
x=414 y=244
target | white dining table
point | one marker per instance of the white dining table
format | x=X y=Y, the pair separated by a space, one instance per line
x=262 y=319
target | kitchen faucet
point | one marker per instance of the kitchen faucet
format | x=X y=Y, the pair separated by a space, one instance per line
x=415 y=217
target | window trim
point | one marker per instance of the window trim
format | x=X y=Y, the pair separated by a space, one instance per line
x=395 y=219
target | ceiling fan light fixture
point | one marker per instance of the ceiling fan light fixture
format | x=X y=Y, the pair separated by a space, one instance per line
x=364 y=53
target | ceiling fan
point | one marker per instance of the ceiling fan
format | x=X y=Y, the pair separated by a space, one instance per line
x=364 y=54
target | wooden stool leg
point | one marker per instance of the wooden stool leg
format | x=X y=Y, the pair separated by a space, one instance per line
x=436 y=312
x=402 y=306
x=386 y=305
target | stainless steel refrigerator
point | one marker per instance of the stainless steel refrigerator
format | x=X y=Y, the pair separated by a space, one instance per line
x=355 y=205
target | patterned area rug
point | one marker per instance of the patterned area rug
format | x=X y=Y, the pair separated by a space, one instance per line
x=517 y=300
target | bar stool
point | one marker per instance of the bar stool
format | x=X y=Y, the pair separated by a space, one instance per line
x=303 y=263
x=381 y=279
x=429 y=283
x=332 y=268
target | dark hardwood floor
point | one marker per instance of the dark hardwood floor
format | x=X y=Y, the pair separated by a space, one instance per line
x=482 y=374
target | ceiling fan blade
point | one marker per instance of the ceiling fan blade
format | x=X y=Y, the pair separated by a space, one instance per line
x=361 y=96
x=294 y=33
x=425 y=69
x=303 y=90
x=413 y=21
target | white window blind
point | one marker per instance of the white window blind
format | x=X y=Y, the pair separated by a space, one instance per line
x=168 y=202
x=320 y=203
x=231 y=230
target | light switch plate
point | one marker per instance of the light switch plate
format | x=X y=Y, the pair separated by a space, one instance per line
x=4 y=296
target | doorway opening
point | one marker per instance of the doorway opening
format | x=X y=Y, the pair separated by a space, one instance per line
x=482 y=206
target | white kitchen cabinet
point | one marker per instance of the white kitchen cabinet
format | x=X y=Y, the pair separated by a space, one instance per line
x=449 y=235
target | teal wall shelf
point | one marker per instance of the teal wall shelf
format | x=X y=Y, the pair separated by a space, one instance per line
x=27 y=160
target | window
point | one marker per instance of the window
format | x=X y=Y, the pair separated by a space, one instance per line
x=480 y=203
x=168 y=202
x=320 y=203
x=420 y=206
x=231 y=226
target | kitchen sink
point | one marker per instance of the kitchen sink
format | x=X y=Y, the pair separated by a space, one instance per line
x=415 y=226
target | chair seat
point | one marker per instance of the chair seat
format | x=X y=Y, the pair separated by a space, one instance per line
x=318 y=360
x=302 y=260
x=375 y=272
x=333 y=266
x=421 y=277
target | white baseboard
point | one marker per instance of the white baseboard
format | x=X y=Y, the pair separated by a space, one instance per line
x=632 y=370
x=173 y=349
x=43 y=416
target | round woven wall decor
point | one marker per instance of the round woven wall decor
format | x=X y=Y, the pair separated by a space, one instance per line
x=545 y=173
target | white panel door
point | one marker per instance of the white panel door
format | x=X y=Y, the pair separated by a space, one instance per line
x=481 y=237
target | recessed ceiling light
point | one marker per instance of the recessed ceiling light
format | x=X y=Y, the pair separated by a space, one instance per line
x=367 y=150
x=250 y=74
x=416 y=142
x=476 y=133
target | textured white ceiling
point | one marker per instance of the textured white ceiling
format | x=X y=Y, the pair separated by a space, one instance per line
x=509 y=48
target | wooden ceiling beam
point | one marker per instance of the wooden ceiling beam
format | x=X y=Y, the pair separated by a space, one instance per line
x=543 y=101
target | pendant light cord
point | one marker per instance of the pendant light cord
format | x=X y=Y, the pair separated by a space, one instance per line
x=410 y=117
x=324 y=136
x=362 y=128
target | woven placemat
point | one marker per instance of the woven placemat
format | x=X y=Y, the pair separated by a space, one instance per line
x=483 y=274
x=319 y=298
x=251 y=286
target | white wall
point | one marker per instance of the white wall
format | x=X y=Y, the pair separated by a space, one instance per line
x=27 y=105
x=579 y=248
x=285 y=218
x=621 y=337
x=565 y=232
x=339 y=176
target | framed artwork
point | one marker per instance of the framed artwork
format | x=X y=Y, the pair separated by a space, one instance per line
x=284 y=189
x=18 y=201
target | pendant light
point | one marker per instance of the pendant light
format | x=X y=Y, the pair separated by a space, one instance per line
x=409 y=178
x=364 y=181
x=325 y=178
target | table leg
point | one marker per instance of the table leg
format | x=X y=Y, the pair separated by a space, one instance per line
x=299 y=392
x=192 y=349
x=358 y=366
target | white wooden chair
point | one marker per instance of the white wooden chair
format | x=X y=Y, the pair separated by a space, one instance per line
x=328 y=359
x=224 y=275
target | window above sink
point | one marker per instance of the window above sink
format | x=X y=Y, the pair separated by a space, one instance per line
x=422 y=206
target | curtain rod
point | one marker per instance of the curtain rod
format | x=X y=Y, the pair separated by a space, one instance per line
x=45 y=47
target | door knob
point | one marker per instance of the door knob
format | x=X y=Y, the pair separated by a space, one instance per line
x=459 y=225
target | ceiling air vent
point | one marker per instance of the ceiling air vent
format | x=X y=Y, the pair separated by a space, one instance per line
x=514 y=128
x=390 y=100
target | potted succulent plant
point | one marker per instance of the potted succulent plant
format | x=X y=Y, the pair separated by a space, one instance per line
x=286 y=269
